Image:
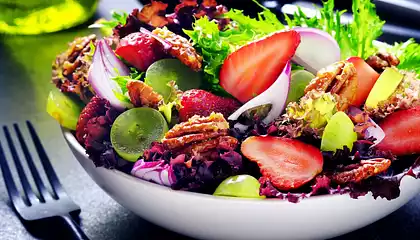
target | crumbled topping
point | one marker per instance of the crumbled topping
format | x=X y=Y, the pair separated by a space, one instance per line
x=70 y=69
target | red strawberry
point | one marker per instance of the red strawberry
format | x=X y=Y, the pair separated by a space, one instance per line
x=287 y=163
x=253 y=68
x=402 y=132
x=140 y=50
x=203 y=103
x=366 y=78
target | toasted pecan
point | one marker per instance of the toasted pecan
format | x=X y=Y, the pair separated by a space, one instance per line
x=181 y=48
x=227 y=141
x=339 y=78
x=355 y=173
x=200 y=134
x=143 y=95
x=198 y=124
x=179 y=142
x=382 y=60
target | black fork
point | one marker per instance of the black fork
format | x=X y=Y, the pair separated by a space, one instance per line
x=45 y=204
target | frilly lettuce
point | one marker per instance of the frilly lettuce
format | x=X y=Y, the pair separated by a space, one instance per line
x=215 y=45
x=354 y=39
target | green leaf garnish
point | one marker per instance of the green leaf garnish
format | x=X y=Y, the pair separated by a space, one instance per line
x=123 y=80
x=407 y=52
x=174 y=100
x=106 y=26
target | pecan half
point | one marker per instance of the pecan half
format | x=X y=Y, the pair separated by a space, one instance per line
x=382 y=60
x=199 y=134
x=179 y=142
x=181 y=48
x=340 y=79
x=198 y=124
x=227 y=141
x=143 y=95
x=70 y=69
x=355 y=173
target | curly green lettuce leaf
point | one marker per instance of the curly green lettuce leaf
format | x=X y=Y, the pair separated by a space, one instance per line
x=354 y=39
x=408 y=53
x=215 y=45
x=122 y=83
x=123 y=80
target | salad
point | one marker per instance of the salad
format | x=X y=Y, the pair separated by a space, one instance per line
x=208 y=99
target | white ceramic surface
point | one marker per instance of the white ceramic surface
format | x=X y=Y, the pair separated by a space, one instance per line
x=208 y=217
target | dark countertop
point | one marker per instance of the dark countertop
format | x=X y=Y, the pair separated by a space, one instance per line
x=25 y=73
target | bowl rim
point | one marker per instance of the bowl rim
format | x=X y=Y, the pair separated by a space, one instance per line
x=71 y=139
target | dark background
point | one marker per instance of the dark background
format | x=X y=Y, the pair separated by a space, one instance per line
x=25 y=73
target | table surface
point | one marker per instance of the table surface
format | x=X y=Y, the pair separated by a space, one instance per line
x=25 y=73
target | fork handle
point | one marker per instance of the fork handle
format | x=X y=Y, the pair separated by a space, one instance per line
x=78 y=233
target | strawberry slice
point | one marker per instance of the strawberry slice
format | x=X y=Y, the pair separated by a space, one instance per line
x=366 y=78
x=203 y=103
x=286 y=162
x=254 y=67
x=139 y=50
x=402 y=132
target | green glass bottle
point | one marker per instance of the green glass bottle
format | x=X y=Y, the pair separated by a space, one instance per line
x=43 y=16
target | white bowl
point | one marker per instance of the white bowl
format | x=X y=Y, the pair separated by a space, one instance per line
x=208 y=217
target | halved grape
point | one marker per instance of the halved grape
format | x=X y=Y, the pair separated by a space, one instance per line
x=135 y=129
x=161 y=72
x=299 y=80
x=244 y=186
x=338 y=133
x=64 y=108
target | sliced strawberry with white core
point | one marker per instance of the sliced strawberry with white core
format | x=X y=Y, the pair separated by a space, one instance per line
x=287 y=163
x=253 y=68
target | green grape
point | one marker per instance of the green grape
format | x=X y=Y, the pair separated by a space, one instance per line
x=244 y=186
x=160 y=73
x=338 y=133
x=64 y=109
x=299 y=80
x=135 y=129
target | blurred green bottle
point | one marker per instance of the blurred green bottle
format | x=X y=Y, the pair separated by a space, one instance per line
x=43 y=16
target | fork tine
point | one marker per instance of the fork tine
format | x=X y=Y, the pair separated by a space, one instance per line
x=52 y=176
x=14 y=195
x=27 y=189
x=38 y=181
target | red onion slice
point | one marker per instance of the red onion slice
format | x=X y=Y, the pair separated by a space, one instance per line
x=159 y=172
x=276 y=95
x=374 y=131
x=316 y=50
x=105 y=66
